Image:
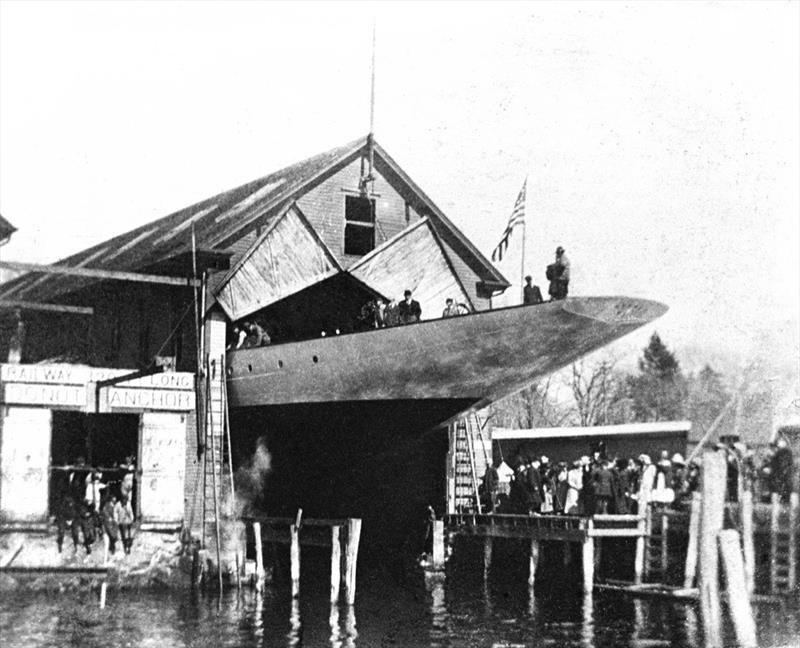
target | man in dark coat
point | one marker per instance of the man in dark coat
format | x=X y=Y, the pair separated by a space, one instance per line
x=533 y=480
x=410 y=310
x=603 y=487
x=530 y=293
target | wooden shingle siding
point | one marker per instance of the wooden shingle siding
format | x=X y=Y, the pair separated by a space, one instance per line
x=323 y=206
x=287 y=259
x=415 y=261
x=468 y=278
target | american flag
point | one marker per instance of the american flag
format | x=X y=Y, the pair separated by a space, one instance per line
x=517 y=218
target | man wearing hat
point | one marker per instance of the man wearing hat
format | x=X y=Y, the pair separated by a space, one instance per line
x=558 y=275
x=409 y=309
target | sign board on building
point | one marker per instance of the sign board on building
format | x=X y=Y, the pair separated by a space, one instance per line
x=64 y=386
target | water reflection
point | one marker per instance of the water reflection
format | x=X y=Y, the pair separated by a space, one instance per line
x=440 y=631
x=587 y=627
x=429 y=612
x=343 y=634
x=295 y=635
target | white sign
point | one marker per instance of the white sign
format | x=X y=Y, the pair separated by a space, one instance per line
x=72 y=386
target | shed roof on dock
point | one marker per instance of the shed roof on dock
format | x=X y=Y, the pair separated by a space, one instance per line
x=569 y=443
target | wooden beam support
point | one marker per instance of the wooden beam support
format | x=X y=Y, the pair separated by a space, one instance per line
x=714 y=481
x=15 y=304
x=97 y=273
x=259 y=556
x=690 y=570
x=742 y=614
x=351 y=559
x=336 y=564
x=295 y=561
x=438 y=544
x=748 y=541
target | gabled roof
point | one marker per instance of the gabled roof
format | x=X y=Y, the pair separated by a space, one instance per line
x=6 y=228
x=220 y=221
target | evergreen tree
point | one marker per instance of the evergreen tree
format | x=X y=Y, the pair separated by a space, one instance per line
x=707 y=396
x=658 y=391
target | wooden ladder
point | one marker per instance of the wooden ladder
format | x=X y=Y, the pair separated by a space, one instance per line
x=466 y=479
x=783 y=545
x=213 y=459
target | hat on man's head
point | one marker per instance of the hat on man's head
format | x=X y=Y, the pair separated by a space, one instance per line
x=406 y=293
x=559 y=250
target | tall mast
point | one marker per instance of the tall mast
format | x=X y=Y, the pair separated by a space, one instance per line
x=365 y=180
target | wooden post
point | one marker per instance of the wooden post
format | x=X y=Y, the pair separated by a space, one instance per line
x=664 y=543
x=642 y=526
x=588 y=560
x=487 y=556
x=336 y=563
x=567 y=553
x=259 y=556
x=351 y=558
x=103 y=589
x=774 y=529
x=294 y=552
x=741 y=612
x=792 y=566
x=714 y=480
x=691 y=551
x=748 y=542
x=438 y=545
x=534 y=561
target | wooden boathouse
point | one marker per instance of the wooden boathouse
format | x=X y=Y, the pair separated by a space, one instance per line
x=118 y=352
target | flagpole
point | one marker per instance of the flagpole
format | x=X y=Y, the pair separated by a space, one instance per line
x=522 y=261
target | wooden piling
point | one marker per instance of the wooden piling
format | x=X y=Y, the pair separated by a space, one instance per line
x=664 y=544
x=714 y=479
x=259 y=556
x=738 y=600
x=103 y=589
x=588 y=560
x=774 y=529
x=294 y=552
x=438 y=545
x=792 y=566
x=336 y=563
x=643 y=526
x=748 y=541
x=533 y=563
x=690 y=570
x=351 y=559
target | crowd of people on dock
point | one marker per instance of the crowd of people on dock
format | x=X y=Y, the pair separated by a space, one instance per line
x=599 y=484
x=91 y=506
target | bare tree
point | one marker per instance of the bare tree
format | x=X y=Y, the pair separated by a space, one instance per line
x=537 y=405
x=598 y=399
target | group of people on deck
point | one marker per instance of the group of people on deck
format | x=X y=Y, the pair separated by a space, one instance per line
x=599 y=485
x=90 y=506
x=589 y=485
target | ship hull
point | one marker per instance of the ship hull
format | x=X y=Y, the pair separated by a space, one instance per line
x=433 y=369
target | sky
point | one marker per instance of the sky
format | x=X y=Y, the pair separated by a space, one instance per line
x=660 y=140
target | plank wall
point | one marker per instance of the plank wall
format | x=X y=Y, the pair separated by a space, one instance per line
x=323 y=206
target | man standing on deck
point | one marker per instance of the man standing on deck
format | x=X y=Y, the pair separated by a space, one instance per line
x=530 y=293
x=558 y=274
x=410 y=310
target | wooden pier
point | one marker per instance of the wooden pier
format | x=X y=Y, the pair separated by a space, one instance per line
x=341 y=535
x=587 y=531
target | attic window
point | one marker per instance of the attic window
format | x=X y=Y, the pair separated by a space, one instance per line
x=359 y=225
